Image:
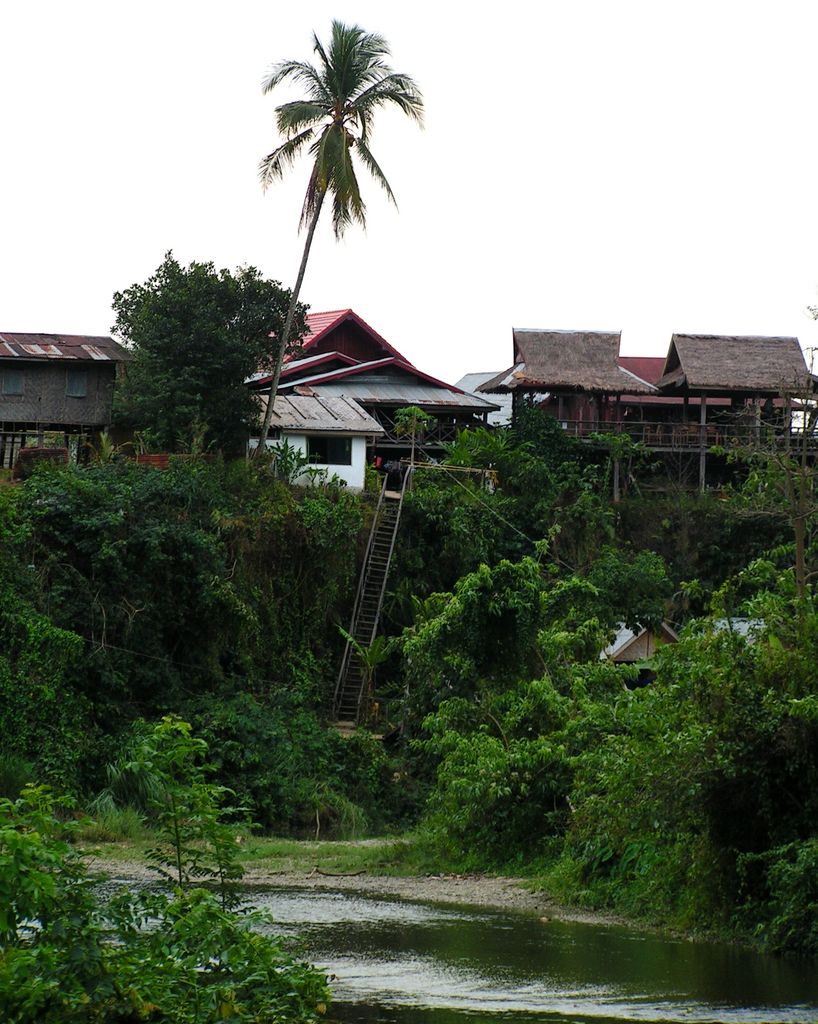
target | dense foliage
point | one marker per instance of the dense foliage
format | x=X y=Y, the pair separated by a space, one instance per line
x=217 y=592
x=692 y=799
x=207 y=590
x=142 y=955
x=196 y=334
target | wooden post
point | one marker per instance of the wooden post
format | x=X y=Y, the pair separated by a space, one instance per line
x=703 y=442
x=618 y=421
x=787 y=431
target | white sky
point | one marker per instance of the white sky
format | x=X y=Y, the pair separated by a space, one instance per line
x=643 y=166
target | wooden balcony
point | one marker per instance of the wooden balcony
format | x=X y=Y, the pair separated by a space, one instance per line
x=435 y=436
x=694 y=437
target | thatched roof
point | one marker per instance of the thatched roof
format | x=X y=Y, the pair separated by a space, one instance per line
x=567 y=361
x=728 y=363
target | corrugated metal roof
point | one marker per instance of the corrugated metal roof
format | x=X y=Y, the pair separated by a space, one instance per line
x=471 y=381
x=377 y=391
x=372 y=377
x=62 y=346
x=322 y=415
x=298 y=365
x=648 y=368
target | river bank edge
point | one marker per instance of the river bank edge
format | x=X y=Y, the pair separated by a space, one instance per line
x=496 y=892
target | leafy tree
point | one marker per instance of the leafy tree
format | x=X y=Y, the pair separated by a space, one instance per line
x=194 y=843
x=412 y=422
x=485 y=631
x=129 y=593
x=67 y=958
x=505 y=755
x=349 y=83
x=783 y=482
x=484 y=448
x=633 y=588
x=700 y=805
x=196 y=335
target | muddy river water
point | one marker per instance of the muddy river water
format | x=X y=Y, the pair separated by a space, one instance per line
x=421 y=963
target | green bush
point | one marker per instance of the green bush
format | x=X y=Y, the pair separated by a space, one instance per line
x=15 y=774
x=67 y=959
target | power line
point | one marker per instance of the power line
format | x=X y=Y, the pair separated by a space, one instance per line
x=494 y=512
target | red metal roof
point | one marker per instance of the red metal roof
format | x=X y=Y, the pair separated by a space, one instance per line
x=300 y=365
x=320 y=324
x=91 y=348
x=649 y=368
x=299 y=374
x=317 y=323
x=375 y=364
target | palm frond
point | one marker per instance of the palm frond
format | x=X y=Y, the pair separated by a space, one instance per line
x=298 y=71
x=354 y=58
x=341 y=181
x=350 y=80
x=318 y=47
x=273 y=165
x=292 y=117
x=395 y=88
x=371 y=164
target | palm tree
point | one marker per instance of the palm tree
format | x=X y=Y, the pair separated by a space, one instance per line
x=349 y=82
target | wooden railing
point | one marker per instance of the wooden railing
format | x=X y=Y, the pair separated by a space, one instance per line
x=437 y=434
x=690 y=436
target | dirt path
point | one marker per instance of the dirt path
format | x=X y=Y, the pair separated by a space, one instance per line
x=465 y=890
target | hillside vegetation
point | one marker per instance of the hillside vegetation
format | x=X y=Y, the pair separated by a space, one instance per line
x=213 y=593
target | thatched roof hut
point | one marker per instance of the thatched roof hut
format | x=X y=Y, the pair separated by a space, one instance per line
x=734 y=364
x=567 y=361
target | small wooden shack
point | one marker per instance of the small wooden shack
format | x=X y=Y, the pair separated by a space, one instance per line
x=54 y=383
x=637 y=647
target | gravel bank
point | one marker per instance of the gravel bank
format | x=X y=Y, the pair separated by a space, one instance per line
x=465 y=890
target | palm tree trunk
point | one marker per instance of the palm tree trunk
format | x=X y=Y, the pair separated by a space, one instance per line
x=288 y=325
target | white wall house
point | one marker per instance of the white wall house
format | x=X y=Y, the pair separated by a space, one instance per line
x=332 y=433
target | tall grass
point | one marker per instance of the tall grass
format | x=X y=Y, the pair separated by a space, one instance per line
x=114 y=825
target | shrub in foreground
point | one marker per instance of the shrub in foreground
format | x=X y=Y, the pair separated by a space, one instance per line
x=66 y=957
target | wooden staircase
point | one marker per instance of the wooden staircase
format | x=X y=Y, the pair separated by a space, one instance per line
x=349 y=705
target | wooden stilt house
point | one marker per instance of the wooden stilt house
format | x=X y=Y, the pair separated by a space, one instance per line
x=710 y=390
x=571 y=375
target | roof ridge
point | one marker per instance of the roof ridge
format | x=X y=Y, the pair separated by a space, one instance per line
x=563 y=330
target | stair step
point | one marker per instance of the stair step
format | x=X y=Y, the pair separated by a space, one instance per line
x=374 y=574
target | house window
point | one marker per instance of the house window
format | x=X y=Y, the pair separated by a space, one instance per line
x=76 y=383
x=330 y=451
x=11 y=382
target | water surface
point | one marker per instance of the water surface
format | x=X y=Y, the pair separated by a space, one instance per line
x=418 y=963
